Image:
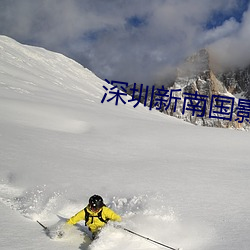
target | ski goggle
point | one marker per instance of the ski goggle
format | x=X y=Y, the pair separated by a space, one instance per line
x=94 y=208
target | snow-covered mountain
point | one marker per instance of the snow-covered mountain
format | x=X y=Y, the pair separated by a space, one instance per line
x=197 y=75
x=205 y=93
x=182 y=185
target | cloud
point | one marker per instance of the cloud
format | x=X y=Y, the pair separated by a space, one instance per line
x=228 y=28
x=233 y=49
x=134 y=41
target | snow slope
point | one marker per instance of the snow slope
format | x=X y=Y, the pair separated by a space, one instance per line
x=182 y=185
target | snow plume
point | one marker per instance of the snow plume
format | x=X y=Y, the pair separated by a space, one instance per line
x=147 y=215
x=134 y=41
x=33 y=203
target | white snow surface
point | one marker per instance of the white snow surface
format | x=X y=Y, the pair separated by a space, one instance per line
x=182 y=185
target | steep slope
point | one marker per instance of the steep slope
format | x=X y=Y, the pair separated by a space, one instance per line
x=182 y=185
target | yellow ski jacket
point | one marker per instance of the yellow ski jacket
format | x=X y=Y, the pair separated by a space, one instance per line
x=94 y=223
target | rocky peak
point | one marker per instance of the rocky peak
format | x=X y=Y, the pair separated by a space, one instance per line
x=197 y=64
x=197 y=75
x=237 y=81
x=197 y=68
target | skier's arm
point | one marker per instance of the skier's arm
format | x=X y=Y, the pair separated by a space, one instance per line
x=110 y=214
x=77 y=217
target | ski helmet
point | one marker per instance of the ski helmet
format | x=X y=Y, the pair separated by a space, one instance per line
x=95 y=202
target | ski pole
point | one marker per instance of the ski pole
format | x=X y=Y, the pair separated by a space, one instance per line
x=146 y=238
x=45 y=228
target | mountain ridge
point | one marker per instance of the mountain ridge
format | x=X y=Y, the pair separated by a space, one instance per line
x=199 y=75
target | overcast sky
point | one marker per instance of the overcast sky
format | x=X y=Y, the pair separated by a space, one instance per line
x=131 y=40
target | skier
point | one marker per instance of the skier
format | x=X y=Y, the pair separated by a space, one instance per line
x=95 y=214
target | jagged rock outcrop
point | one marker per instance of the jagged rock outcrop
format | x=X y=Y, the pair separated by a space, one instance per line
x=201 y=94
x=237 y=81
x=195 y=76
